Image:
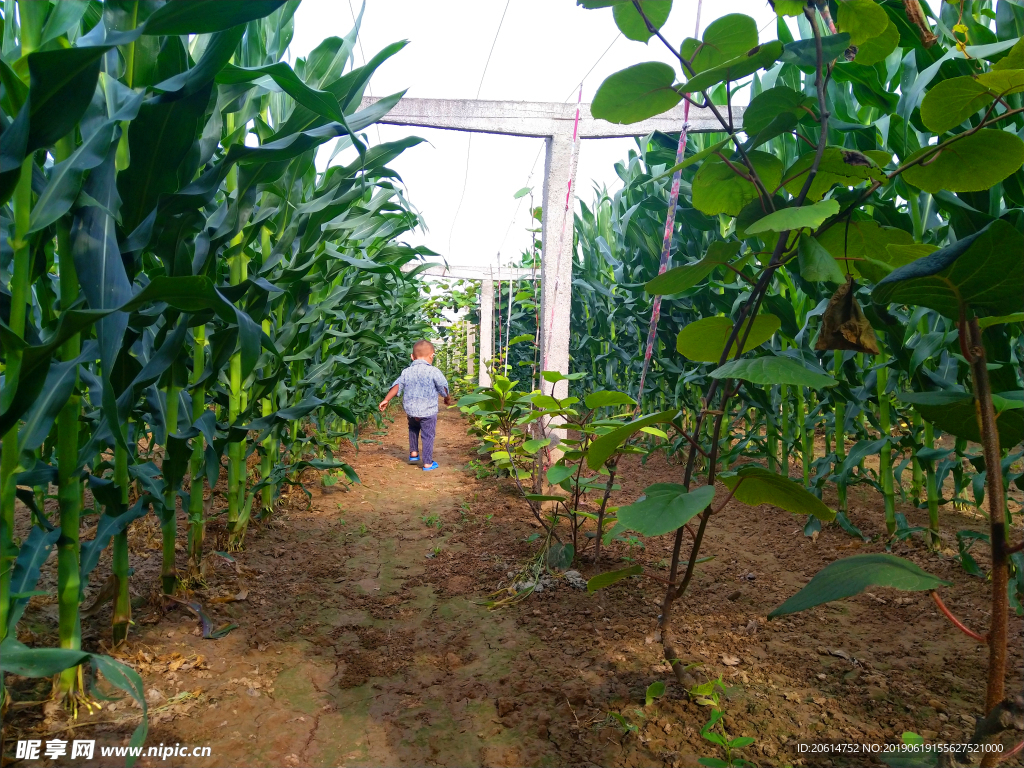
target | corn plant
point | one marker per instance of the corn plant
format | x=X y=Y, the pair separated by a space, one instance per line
x=182 y=285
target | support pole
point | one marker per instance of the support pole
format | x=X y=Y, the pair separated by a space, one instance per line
x=556 y=259
x=486 y=329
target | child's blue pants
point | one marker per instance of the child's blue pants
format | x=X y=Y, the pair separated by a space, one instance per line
x=425 y=426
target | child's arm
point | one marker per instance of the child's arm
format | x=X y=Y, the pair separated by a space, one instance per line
x=388 y=398
x=442 y=388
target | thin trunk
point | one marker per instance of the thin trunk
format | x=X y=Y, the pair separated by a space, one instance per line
x=840 y=430
x=998 y=630
x=801 y=435
x=69 y=485
x=917 y=482
x=122 y=617
x=786 y=443
x=196 y=509
x=169 y=524
x=885 y=457
x=932 y=490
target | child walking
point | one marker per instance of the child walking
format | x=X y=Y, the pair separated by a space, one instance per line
x=420 y=384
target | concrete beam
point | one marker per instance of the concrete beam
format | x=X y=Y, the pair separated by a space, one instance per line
x=472 y=272
x=537 y=119
x=470 y=348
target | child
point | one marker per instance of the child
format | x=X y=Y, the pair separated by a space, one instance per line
x=420 y=384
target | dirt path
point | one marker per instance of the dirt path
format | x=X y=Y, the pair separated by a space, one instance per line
x=361 y=639
x=345 y=656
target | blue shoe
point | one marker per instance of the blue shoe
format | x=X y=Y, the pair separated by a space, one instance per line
x=413 y=459
x=433 y=465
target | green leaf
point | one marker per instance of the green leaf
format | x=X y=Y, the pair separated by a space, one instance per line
x=847 y=167
x=654 y=691
x=62 y=84
x=704 y=340
x=679 y=279
x=773 y=370
x=33 y=552
x=787 y=219
x=665 y=507
x=804 y=53
x=769 y=104
x=851 y=576
x=986 y=322
x=753 y=485
x=790 y=7
x=319 y=102
x=602 y=449
x=636 y=93
x=158 y=140
x=758 y=57
x=696 y=157
x=193 y=17
x=559 y=472
x=1012 y=60
x=725 y=39
x=631 y=23
x=852 y=241
x=603 y=580
x=974 y=163
x=957 y=414
x=877 y=49
x=863 y=19
x=982 y=271
x=544 y=497
x=65 y=15
x=532 y=446
x=950 y=102
x=816 y=264
x=522 y=193
x=717 y=188
x=521 y=338
x=604 y=398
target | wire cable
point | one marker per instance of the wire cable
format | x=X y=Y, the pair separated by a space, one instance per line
x=469 y=144
x=359 y=39
x=533 y=167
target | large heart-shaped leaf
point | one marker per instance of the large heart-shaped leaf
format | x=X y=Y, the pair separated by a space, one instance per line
x=603 y=580
x=769 y=104
x=982 y=271
x=950 y=102
x=632 y=25
x=725 y=39
x=862 y=19
x=704 y=340
x=974 y=163
x=604 y=398
x=602 y=449
x=753 y=485
x=957 y=414
x=787 y=219
x=853 y=241
x=718 y=188
x=773 y=370
x=683 y=278
x=851 y=576
x=758 y=57
x=816 y=264
x=665 y=507
x=847 y=167
x=636 y=93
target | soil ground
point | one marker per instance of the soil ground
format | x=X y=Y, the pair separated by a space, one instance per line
x=362 y=639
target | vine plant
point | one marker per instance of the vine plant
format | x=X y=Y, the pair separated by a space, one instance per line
x=956 y=122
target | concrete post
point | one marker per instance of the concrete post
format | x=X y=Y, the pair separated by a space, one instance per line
x=486 y=329
x=556 y=260
x=470 y=348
